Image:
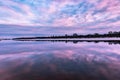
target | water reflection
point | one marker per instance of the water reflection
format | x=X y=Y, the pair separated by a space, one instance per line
x=37 y=60
x=110 y=42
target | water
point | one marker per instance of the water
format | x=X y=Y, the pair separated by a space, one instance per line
x=46 y=60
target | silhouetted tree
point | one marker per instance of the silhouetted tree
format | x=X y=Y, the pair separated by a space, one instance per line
x=110 y=32
x=75 y=35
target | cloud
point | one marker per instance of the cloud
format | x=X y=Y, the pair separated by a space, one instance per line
x=56 y=13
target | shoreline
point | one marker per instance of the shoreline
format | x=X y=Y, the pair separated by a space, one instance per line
x=60 y=39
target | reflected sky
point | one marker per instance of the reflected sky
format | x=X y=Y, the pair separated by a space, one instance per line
x=58 y=61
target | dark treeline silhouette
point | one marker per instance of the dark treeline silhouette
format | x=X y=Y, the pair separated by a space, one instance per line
x=110 y=34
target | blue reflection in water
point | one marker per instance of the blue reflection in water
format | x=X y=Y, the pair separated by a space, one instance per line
x=59 y=61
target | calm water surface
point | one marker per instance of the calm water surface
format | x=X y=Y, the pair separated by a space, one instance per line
x=37 y=60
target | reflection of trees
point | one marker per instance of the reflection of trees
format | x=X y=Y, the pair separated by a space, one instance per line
x=115 y=42
x=75 y=41
x=110 y=42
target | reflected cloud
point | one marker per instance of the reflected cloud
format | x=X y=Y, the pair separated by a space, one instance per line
x=46 y=60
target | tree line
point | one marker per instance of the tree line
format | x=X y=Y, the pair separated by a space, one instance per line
x=110 y=34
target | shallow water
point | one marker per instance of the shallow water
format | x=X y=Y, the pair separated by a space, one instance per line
x=45 y=60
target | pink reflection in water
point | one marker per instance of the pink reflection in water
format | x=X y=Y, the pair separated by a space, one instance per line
x=60 y=61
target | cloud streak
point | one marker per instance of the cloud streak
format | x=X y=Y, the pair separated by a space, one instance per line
x=57 y=13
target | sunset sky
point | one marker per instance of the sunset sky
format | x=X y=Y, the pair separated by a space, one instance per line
x=59 y=16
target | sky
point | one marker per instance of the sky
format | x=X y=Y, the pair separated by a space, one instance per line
x=63 y=16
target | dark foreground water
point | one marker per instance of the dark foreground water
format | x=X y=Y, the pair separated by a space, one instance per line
x=44 y=60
